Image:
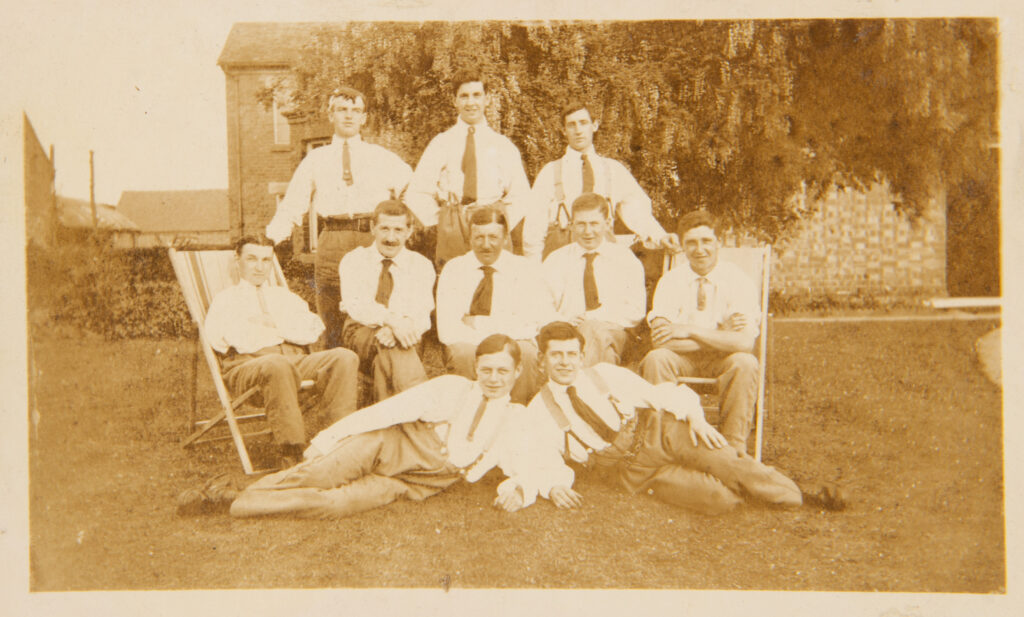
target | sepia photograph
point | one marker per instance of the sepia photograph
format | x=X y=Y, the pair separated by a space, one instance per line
x=423 y=306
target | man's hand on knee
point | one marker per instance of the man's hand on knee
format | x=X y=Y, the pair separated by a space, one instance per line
x=701 y=431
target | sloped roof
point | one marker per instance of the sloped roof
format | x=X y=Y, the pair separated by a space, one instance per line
x=77 y=213
x=266 y=44
x=161 y=211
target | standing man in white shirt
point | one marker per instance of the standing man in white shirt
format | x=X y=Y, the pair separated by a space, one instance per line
x=387 y=293
x=489 y=290
x=412 y=446
x=704 y=320
x=341 y=183
x=596 y=285
x=468 y=165
x=654 y=436
x=259 y=332
x=582 y=170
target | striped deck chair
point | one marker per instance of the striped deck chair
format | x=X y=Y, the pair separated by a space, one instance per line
x=756 y=263
x=201 y=275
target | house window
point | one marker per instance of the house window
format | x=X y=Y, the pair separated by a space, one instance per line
x=282 y=134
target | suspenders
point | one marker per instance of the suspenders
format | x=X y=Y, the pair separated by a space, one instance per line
x=563 y=422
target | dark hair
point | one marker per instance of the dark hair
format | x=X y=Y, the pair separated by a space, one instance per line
x=345 y=92
x=497 y=343
x=558 y=331
x=485 y=215
x=591 y=201
x=392 y=207
x=696 y=218
x=257 y=239
x=466 y=76
x=573 y=106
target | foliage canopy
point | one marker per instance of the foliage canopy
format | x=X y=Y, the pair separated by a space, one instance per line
x=738 y=117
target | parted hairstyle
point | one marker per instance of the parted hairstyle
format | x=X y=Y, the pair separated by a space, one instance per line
x=574 y=105
x=558 y=331
x=696 y=218
x=591 y=201
x=345 y=92
x=497 y=343
x=485 y=215
x=257 y=239
x=392 y=207
x=466 y=76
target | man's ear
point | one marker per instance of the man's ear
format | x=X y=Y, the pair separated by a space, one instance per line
x=597 y=125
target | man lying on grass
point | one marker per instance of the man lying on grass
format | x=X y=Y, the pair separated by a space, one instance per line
x=655 y=437
x=412 y=445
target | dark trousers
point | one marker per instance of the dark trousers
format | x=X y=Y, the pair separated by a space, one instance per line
x=331 y=247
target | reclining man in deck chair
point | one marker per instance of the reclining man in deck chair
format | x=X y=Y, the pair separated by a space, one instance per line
x=412 y=445
x=260 y=331
x=654 y=437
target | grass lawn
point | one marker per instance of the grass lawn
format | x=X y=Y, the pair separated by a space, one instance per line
x=896 y=412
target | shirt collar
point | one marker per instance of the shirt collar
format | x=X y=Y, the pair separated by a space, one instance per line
x=573 y=154
x=396 y=260
x=602 y=249
x=711 y=276
x=244 y=284
x=337 y=139
x=499 y=264
x=462 y=126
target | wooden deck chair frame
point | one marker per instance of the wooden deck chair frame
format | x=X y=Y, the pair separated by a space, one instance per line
x=754 y=261
x=201 y=275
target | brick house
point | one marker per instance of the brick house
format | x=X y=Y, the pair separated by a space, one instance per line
x=854 y=243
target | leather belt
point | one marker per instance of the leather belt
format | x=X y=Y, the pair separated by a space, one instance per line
x=348 y=223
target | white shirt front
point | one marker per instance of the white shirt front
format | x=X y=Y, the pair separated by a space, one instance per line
x=620 y=283
x=439 y=177
x=449 y=403
x=728 y=290
x=377 y=174
x=412 y=295
x=519 y=304
x=535 y=434
x=235 y=319
x=611 y=179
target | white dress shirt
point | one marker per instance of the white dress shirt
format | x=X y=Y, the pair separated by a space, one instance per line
x=235 y=319
x=534 y=434
x=376 y=173
x=620 y=283
x=625 y=196
x=728 y=291
x=412 y=295
x=519 y=305
x=439 y=178
x=449 y=403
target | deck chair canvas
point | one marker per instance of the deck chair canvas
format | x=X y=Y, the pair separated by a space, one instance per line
x=756 y=263
x=201 y=275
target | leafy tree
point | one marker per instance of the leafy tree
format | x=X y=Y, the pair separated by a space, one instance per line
x=738 y=117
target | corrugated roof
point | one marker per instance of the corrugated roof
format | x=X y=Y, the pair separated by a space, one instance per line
x=77 y=213
x=266 y=44
x=162 y=211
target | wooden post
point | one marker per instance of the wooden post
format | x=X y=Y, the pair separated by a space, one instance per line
x=92 y=194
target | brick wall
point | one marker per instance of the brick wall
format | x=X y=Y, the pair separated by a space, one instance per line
x=856 y=242
x=254 y=160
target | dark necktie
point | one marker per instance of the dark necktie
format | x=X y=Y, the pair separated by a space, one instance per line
x=590 y=283
x=385 y=283
x=476 y=419
x=469 y=168
x=588 y=415
x=702 y=293
x=481 y=302
x=346 y=161
x=588 y=175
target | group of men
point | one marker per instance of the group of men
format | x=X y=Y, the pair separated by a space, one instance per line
x=532 y=342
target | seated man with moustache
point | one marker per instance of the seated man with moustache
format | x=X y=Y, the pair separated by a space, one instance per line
x=412 y=446
x=387 y=291
x=490 y=290
x=596 y=285
x=259 y=331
